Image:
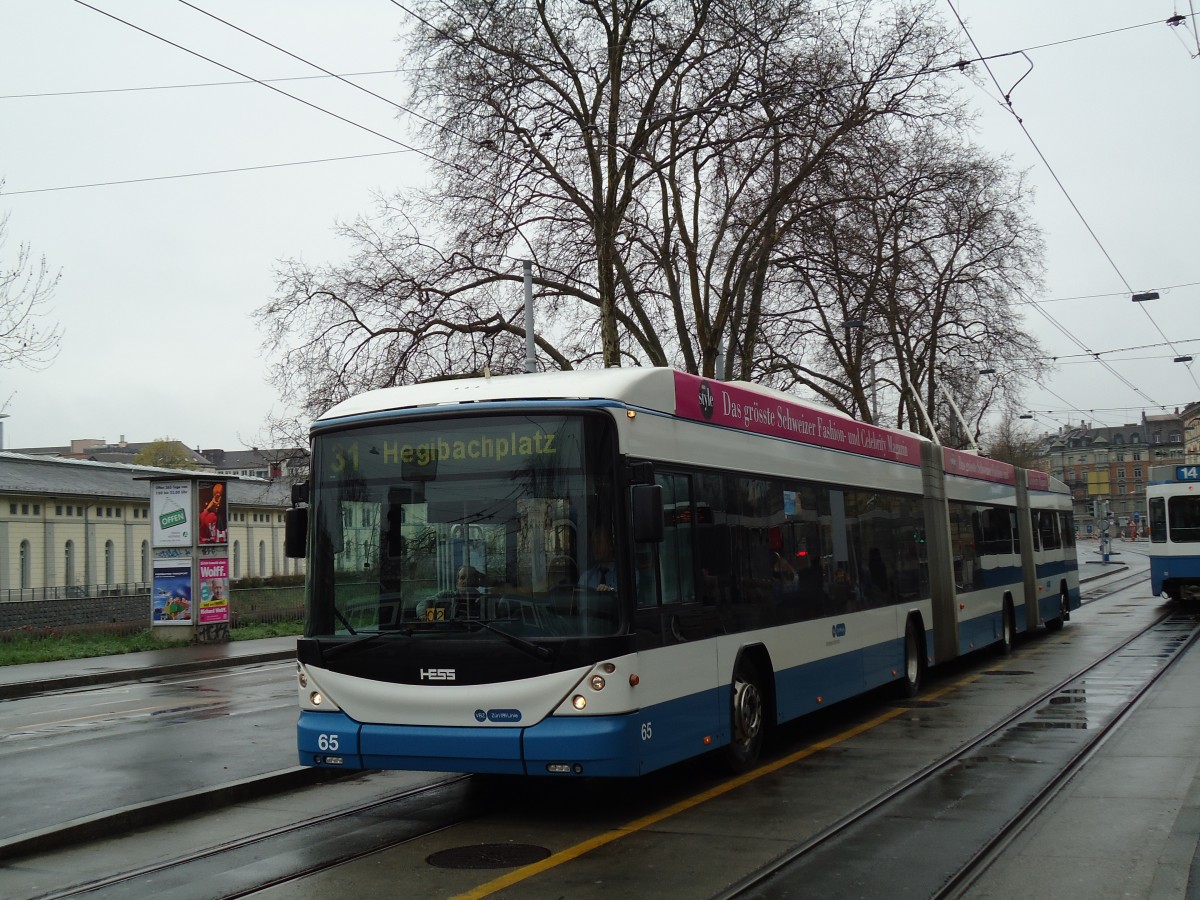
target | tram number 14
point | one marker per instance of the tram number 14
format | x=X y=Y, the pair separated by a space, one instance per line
x=647 y=731
x=1187 y=473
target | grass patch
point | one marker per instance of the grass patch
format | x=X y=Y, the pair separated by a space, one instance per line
x=267 y=630
x=17 y=647
x=21 y=648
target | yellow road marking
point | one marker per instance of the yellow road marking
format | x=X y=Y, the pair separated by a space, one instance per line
x=563 y=856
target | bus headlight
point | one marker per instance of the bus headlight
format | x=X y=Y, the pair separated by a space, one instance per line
x=579 y=701
x=597 y=682
x=315 y=698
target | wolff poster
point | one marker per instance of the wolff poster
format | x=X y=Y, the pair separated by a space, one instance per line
x=214 y=590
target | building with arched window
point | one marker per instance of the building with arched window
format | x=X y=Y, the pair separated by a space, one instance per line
x=73 y=526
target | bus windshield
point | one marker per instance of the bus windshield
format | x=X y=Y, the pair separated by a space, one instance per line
x=485 y=526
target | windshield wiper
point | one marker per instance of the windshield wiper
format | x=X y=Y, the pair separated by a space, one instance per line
x=535 y=650
x=362 y=639
x=338 y=615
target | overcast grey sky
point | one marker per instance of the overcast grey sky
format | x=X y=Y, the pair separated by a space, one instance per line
x=160 y=277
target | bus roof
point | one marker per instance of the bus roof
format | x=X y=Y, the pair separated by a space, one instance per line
x=739 y=405
x=659 y=388
x=649 y=388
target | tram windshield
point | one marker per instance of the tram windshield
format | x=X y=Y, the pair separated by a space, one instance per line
x=1183 y=513
x=492 y=526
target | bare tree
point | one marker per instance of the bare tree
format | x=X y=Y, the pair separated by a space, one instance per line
x=26 y=288
x=665 y=164
x=903 y=285
x=1012 y=443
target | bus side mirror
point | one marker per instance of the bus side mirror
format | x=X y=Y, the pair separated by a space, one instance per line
x=295 y=532
x=647 y=502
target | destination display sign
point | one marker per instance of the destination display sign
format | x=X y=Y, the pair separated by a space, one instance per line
x=736 y=407
x=1187 y=473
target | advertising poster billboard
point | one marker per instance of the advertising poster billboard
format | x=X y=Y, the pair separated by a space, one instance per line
x=172 y=597
x=214 y=590
x=214 y=516
x=171 y=513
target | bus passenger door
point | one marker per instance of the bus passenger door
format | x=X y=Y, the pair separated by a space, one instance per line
x=682 y=663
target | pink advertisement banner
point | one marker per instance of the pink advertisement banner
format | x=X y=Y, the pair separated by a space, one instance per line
x=1037 y=480
x=735 y=407
x=969 y=465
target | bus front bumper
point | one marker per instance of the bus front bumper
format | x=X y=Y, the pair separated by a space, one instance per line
x=579 y=746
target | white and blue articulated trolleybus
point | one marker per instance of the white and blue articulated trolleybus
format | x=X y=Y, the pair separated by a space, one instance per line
x=1173 y=510
x=603 y=573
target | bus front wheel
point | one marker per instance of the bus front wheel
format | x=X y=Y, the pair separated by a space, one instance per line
x=748 y=719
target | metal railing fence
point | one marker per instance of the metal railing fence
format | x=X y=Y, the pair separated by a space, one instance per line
x=75 y=591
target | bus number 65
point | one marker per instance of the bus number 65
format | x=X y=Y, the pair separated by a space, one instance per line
x=647 y=731
x=327 y=742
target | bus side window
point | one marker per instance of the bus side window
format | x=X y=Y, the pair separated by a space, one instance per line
x=1048 y=530
x=677 y=566
x=713 y=544
x=1066 y=525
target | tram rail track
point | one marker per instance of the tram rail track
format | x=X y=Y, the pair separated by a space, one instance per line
x=377 y=817
x=1112 y=585
x=830 y=857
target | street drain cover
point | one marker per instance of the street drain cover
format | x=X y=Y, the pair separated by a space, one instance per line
x=488 y=856
x=918 y=704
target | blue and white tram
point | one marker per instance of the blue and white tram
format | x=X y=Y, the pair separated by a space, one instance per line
x=603 y=573
x=1173 y=507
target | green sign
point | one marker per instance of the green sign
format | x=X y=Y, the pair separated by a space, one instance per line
x=173 y=518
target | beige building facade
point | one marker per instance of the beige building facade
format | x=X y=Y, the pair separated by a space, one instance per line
x=75 y=528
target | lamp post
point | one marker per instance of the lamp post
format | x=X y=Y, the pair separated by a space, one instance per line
x=530 y=345
x=3 y=416
x=858 y=324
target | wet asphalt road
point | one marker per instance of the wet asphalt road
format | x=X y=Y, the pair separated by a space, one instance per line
x=76 y=753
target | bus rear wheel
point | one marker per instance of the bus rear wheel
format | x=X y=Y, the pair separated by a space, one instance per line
x=914 y=660
x=1064 y=611
x=748 y=719
x=1008 y=629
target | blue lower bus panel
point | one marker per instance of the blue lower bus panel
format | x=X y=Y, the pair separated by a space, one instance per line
x=1174 y=569
x=328 y=739
x=598 y=745
x=614 y=746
